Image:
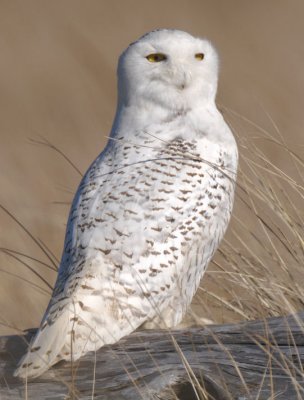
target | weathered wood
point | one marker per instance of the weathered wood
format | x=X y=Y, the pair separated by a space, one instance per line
x=251 y=360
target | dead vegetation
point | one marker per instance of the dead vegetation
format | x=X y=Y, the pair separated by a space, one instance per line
x=257 y=273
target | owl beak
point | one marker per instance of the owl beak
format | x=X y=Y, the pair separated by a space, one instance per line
x=182 y=78
x=178 y=74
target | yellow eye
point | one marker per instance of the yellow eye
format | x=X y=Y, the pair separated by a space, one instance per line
x=156 y=57
x=199 y=56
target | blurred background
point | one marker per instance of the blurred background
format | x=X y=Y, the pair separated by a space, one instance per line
x=58 y=86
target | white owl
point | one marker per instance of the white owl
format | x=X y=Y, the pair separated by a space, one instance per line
x=152 y=208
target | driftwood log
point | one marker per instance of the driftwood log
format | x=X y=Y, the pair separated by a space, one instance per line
x=251 y=360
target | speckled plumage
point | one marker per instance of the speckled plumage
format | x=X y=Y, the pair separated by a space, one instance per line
x=150 y=211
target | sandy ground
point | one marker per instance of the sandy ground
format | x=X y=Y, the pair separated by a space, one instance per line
x=57 y=82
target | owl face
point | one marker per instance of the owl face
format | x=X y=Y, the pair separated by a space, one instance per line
x=168 y=68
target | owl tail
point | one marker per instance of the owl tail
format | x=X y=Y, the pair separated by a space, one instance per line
x=44 y=348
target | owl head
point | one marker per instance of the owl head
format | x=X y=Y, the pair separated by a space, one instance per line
x=168 y=68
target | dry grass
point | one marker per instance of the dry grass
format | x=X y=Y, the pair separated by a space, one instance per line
x=258 y=271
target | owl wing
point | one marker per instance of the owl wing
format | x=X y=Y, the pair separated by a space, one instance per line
x=130 y=229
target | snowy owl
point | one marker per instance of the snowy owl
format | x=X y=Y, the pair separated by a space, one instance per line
x=151 y=209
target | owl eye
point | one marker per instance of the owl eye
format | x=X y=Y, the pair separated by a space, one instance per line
x=156 y=57
x=199 y=56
